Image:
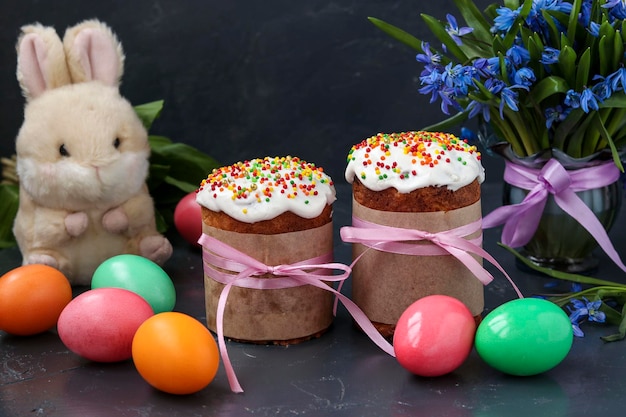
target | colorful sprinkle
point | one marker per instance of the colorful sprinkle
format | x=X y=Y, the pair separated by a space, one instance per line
x=390 y=159
x=426 y=147
x=291 y=175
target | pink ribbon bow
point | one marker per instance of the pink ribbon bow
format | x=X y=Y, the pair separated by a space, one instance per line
x=521 y=220
x=243 y=271
x=408 y=242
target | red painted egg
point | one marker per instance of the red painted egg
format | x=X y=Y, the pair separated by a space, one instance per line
x=100 y=324
x=434 y=335
x=188 y=218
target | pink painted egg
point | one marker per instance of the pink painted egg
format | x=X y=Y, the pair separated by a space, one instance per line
x=434 y=336
x=188 y=218
x=100 y=324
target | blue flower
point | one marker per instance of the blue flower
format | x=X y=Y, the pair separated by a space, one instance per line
x=518 y=55
x=616 y=8
x=594 y=29
x=585 y=12
x=602 y=90
x=588 y=100
x=536 y=20
x=455 y=31
x=586 y=309
x=550 y=55
x=448 y=99
x=432 y=85
x=429 y=59
x=505 y=19
x=618 y=80
x=572 y=99
x=484 y=67
x=508 y=97
x=524 y=77
x=556 y=114
x=577 y=331
x=459 y=78
x=475 y=108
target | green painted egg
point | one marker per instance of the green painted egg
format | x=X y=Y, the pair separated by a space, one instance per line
x=139 y=275
x=523 y=337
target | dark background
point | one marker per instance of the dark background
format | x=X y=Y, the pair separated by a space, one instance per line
x=244 y=79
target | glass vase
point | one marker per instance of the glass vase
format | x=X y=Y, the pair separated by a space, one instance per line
x=560 y=242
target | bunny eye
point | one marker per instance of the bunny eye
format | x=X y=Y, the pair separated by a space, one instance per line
x=62 y=151
x=116 y=143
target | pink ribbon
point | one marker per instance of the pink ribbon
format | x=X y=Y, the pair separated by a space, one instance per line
x=521 y=220
x=411 y=242
x=243 y=271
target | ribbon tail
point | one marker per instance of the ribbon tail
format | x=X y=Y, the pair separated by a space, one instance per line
x=575 y=207
x=522 y=225
x=366 y=325
x=500 y=215
x=461 y=252
x=359 y=317
x=527 y=213
x=230 y=372
x=471 y=263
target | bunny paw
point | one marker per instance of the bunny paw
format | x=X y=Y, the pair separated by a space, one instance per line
x=76 y=223
x=115 y=220
x=156 y=248
x=40 y=258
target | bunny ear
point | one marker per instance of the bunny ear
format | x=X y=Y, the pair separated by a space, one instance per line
x=40 y=61
x=93 y=53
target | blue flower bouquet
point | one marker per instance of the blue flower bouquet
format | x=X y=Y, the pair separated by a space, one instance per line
x=545 y=74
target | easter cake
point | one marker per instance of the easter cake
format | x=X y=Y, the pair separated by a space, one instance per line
x=413 y=180
x=277 y=210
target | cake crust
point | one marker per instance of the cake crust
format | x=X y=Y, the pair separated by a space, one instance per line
x=283 y=223
x=428 y=199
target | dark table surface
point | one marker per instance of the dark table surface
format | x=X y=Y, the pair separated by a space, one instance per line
x=340 y=374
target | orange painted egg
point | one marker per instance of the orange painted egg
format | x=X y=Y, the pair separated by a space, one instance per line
x=32 y=298
x=175 y=353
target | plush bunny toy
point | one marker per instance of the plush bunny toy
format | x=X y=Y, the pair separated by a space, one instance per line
x=82 y=155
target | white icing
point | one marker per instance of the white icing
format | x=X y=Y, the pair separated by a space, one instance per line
x=414 y=160
x=262 y=189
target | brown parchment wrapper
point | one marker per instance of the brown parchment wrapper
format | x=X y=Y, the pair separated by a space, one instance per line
x=385 y=284
x=284 y=316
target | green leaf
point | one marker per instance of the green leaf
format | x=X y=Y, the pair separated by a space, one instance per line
x=149 y=112
x=187 y=187
x=612 y=316
x=576 y=140
x=616 y=100
x=602 y=56
x=397 y=34
x=582 y=279
x=582 y=71
x=439 y=30
x=475 y=19
x=618 y=50
x=621 y=331
x=605 y=134
x=573 y=21
x=9 y=202
x=186 y=163
x=555 y=33
x=447 y=123
x=567 y=64
x=511 y=4
x=546 y=88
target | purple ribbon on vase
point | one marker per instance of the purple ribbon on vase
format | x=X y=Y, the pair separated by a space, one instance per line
x=238 y=269
x=521 y=220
